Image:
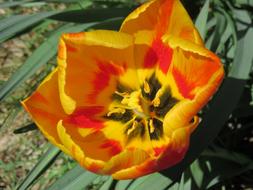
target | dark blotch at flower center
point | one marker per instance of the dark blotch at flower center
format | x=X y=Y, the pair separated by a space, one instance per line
x=142 y=111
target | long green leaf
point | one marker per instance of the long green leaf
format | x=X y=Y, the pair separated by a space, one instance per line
x=12 y=20
x=222 y=164
x=76 y=179
x=25 y=129
x=220 y=28
x=197 y=173
x=22 y=24
x=123 y=184
x=13 y=3
x=91 y=15
x=202 y=19
x=44 y=163
x=242 y=63
x=151 y=182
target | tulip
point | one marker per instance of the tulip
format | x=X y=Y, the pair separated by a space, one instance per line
x=124 y=103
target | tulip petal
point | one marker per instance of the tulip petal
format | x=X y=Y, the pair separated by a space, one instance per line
x=193 y=67
x=45 y=108
x=87 y=77
x=129 y=158
x=72 y=141
x=162 y=17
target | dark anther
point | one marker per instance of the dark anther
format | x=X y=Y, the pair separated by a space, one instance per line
x=117 y=97
x=166 y=103
x=154 y=85
x=127 y=116
x=139 y=130
x=122 y=88
x=158 y=129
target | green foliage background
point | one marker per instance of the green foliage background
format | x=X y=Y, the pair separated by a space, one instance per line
x=220 y=154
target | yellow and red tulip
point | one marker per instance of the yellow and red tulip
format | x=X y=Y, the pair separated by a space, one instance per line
x=124 y=103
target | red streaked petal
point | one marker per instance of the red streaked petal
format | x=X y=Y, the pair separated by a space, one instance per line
x=45 y=108
x=158 y=53
x=162 y=17
x=90 y=64
x=113 y=146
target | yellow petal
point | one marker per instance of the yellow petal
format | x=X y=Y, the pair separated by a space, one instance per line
x=76 y=147
x=90 y=66
x=192 y=67
x=162 y=17
x=126 y=159
x=45 y=108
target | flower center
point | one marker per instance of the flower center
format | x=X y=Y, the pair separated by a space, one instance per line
x=142 y=111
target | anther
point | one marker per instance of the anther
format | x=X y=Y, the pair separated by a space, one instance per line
x=146 y=87
x=156 y=102
x=116 y=110
x=152 y=127
x=134 y=125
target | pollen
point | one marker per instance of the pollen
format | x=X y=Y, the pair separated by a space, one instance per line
x=116 y=110
x=146 y=87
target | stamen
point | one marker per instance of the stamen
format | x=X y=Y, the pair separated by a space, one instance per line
x=116 y=110
x=140 y=114
x=122 y=94
x=133 y=101
x=156 y=102
x=146 y=87
x=152 y=127
x=133 y=127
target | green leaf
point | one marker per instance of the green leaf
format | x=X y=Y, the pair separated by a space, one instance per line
x=197 y=173
x=220 y=28
x=109 y=184
x=91 y=15
x=25 y=129
x=242 y=63
x=137 y=182
x=219 y=164
x=44 y=163
x=13 y=3
x=202 y=19
x=123 y=184
x=151 y=182
x=229 y=31
x=41 y=56
x=76 y=179
x=18 y=25
x=12 y=20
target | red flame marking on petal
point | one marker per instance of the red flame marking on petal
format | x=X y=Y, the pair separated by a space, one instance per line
x=184 y=86
x=113 y=145
x=85 y=117
x=160 y=53
x=159 y=150
x=102 y=78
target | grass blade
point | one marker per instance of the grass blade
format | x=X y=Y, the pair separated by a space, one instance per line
x=13 y=3
x=220 y=28
x=152 y=181
x=20 y=24
x=25 y=129
x=43 y=164
x=76 y=179
x=123 y=184
x=202 y=19
x=242 y=63
x=91 y=15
